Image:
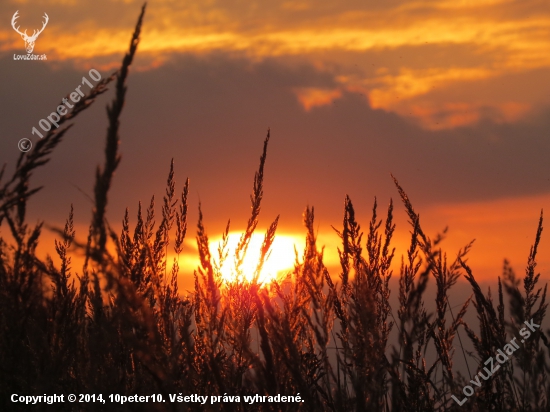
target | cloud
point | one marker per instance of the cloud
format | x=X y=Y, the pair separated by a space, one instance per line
x=310 y=97
x=426 y=46
x=211 y=114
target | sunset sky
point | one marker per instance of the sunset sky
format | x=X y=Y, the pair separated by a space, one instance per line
x=452 y=97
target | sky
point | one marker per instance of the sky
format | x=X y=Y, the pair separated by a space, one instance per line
x=451 y=97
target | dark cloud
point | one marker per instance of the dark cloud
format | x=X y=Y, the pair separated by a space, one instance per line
x=211 y=114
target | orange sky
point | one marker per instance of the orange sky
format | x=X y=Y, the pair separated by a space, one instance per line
x=450 y=96
x=424 y=47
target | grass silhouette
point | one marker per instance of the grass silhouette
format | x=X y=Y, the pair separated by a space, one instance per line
x=121 y=326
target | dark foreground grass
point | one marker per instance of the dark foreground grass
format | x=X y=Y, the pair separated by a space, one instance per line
x=121 y=326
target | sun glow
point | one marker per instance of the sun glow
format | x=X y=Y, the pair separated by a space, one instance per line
x=280 y=260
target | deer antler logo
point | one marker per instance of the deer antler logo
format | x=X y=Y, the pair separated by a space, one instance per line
x=29 y=40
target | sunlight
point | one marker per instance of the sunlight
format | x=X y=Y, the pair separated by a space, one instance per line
x=281 y=259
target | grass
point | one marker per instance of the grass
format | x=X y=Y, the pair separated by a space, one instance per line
x=121 y=325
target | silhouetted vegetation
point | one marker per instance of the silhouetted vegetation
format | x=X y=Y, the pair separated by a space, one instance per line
x=121 y=325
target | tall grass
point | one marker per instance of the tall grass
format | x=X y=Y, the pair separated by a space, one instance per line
x=122 y=326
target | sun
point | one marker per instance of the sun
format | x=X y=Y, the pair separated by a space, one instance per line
x=281 y=259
